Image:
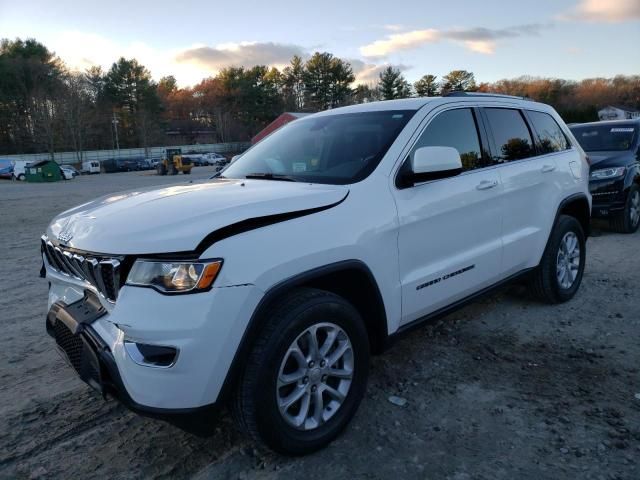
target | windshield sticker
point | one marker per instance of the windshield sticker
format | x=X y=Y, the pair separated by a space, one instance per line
x=299 y=167
x=622 y=130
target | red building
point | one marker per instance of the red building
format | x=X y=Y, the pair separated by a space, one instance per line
x=282 y=120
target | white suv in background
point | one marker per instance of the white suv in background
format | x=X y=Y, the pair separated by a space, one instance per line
x=268 y=287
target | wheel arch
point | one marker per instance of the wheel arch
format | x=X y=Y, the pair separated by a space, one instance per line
x=576 y=206
x=350 y=279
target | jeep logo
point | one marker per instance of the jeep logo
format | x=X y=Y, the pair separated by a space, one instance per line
x=65 y=235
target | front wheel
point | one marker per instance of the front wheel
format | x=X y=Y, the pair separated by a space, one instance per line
x=559 y=274
x=306 y=375
x=629 y=220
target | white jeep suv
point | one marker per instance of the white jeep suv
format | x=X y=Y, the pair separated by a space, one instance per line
x=268 y=287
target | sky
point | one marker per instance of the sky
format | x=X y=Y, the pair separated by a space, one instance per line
x=191 y=40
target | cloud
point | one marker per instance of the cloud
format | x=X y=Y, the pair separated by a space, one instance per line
x=487 y=47
x=394 y=27
x=190 y=64
x=244 y=54
x=400 y=41
x=368 y=73
x=479 y=39
x=607 y=11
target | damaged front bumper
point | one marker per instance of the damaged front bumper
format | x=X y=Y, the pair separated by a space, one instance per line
x=92 y=359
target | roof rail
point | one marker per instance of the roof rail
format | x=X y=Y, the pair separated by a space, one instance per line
x=460 y=93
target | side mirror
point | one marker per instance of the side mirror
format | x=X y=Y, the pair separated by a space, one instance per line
x=432 y=163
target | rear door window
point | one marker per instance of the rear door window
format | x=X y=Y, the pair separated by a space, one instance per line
x=549 y=136
x=511 y=135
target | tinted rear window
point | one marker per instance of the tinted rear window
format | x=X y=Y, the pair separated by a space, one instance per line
x=594 y=138
x=550 y=137
x=510 y=133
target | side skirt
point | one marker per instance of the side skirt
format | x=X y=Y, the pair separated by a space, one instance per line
x=409 y=327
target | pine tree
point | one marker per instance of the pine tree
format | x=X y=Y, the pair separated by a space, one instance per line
x=393 y=84
x=426 y=86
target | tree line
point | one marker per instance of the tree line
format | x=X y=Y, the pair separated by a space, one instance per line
x=45 y=107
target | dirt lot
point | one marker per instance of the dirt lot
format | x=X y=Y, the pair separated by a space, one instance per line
x=505 y=388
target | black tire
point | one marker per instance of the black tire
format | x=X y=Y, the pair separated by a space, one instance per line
x=161 y=169
x=255 y=404
x=544 y=282
x=624 y=222
x=186 y=172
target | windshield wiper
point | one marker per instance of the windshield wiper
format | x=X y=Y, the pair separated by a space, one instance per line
x=270 y=176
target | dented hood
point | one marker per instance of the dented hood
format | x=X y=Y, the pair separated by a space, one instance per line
x=177 y=218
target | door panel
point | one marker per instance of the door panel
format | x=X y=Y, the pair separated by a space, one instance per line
x=529 y=175
x=449 y=240
x=530 y=196
x=449 y=237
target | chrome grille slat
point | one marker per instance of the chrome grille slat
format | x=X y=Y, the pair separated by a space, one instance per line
x=53 y=261
x=88 y=270
x=68 y=258
x=97 y=274
x=77 y=261
x=103 y=273
x=47 y=253
x=111 y=279
x=60 y=259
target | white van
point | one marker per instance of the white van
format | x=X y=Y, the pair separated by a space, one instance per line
x=19 y=169
x=91 y=166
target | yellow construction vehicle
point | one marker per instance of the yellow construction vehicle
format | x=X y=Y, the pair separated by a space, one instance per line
x=172 y=163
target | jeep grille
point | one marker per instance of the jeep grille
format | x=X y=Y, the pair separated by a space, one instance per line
x=100 y=271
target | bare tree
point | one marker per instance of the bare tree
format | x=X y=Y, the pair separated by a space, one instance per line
x=76 y=108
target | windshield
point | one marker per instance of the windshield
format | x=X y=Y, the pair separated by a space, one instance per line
x=336 y=149
x=594 y=138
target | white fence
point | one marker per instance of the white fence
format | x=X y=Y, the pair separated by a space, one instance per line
x=126 y=153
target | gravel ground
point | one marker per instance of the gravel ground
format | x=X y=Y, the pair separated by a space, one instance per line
x=505 y=388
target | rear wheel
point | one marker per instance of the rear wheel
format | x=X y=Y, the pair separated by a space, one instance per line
x=629 y=220
x=559 y=274
x=306 y=375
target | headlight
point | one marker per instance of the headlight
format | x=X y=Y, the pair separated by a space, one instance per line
x=608 y=173
x=174 y=277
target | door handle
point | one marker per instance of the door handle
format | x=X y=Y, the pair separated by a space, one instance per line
x=548 y=168
x=487 y=184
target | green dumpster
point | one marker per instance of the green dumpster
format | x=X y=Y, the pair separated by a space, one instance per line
x=43 y=171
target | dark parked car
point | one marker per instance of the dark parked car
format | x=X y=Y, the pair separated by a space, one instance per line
x=145 y=164
x=113 y=165
x=614 y=150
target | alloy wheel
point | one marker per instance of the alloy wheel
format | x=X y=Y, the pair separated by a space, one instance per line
x=315 y=376
x=568 y=260
x=634 y=210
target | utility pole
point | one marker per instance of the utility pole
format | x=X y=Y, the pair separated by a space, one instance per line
x=115 y=122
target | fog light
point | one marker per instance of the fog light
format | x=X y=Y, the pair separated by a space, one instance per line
x=151 y=355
